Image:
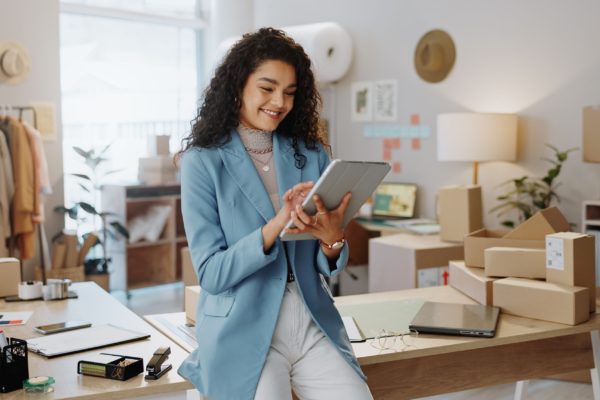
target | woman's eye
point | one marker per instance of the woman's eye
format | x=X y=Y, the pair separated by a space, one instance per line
x=291 y=94
x=268 y=90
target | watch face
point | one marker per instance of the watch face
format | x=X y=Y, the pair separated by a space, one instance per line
x=337 y=245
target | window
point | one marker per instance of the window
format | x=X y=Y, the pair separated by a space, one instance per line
x=124 y=79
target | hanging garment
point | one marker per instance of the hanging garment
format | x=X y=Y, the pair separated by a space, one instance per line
x=7 y=189
x=40 y=165
x=25 y=200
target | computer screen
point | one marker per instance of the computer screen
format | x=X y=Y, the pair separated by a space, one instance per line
x=395 y=200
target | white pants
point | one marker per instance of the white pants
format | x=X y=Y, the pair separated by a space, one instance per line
x=301 y=357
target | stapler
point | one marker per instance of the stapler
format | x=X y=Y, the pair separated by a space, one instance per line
x=156 y=367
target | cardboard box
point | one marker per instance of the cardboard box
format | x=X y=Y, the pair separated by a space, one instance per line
x=542 y=300
x=10 y=276
x=571 y=260
x=542 y=223
x=158 y=145
x=515 y=262
x=476 y=243
x=459 y=211
x=394 y=260
x=191 y=296
x=157 y=170
x=188 y=272
x=472 y=282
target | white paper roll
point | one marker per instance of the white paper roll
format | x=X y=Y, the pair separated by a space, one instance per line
x=329 y=47
x=30 y=290
x=327 y=44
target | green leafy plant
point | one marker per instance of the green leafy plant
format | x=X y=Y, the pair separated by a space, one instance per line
x=80 y=211
x=528 y=194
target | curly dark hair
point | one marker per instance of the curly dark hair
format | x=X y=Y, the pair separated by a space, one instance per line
x=220 y=110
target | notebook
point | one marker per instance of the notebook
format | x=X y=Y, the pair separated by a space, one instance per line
x=456 y=319
x=393 y=200
x=94 y=337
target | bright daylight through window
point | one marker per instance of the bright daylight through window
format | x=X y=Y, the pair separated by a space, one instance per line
x=125 y=77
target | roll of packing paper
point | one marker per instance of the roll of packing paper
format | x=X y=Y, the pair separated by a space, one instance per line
x=328 y=45
x=30 y=290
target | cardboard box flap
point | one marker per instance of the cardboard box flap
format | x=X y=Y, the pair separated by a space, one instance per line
x=544 y=222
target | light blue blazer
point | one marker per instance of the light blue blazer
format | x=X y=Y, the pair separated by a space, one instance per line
x=225 y=205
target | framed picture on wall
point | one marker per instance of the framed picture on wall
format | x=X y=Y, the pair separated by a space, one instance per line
x=362 y=99
x=385 y=100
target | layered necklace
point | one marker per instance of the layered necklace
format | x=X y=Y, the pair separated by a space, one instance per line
x=257 y=143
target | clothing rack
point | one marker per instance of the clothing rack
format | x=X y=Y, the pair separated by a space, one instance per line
x=21 y=110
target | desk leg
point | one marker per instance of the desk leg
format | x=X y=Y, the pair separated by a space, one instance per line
x=521 y=390
x=595 y=372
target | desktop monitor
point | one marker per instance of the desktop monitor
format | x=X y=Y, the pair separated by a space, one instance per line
x=394 y=200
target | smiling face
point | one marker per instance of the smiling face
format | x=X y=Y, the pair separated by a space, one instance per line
x=268 y=95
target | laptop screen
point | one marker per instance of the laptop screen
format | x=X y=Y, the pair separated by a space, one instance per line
x=395 y=200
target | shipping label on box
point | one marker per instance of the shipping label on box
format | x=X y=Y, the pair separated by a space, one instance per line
x=555 y=253
x=571 y=260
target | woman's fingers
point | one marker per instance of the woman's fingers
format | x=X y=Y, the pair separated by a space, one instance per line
x=344 y=204
x=303 y=216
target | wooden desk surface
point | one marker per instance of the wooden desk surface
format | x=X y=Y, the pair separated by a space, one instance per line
x=511 y=329
x=98 y=307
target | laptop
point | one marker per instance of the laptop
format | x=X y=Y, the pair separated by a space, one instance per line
x=456 y=319
x=393 y=200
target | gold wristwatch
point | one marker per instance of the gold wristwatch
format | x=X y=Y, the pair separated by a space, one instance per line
x=335 y=245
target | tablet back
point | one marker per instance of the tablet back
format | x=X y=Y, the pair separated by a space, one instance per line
x=359 y=177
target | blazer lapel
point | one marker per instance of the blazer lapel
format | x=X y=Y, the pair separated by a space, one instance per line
x=242 y=169
x=287 y=176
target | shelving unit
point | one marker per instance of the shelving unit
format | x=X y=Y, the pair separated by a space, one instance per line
x=590 y=224
x=144 y=263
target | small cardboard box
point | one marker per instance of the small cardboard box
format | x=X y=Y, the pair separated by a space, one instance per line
x=10 y=276
x=515 y=262
x=472 y=282
x=157 y=170
x=542 y=300
x=476 y=243
x=459 y=211
x=191 y=296
x=158 y=145
x=188 y=272
x=544 y=222
x=571 y=260
x=591 y=139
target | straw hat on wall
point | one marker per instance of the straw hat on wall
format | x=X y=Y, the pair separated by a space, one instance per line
x=14 y=63
x=434 y=56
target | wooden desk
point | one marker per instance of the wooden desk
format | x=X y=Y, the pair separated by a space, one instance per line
x=522 y=349
x=97 y=307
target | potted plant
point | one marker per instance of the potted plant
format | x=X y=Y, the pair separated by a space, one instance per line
x=528 y=194
x=107 y=227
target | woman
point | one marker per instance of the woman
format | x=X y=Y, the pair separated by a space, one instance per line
x=266 y=323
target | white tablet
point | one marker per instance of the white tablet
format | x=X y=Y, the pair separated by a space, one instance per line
x=359 y=177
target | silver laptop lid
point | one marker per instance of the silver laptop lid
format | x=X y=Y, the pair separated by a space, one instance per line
x=456 y=319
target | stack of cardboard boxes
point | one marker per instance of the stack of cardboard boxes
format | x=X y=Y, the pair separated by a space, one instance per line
x=538 y=270
x=159 y=168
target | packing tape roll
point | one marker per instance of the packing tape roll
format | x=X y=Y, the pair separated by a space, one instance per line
x=30 y=290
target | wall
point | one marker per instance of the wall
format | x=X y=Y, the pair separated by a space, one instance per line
x=533 y=58
x=35 y=25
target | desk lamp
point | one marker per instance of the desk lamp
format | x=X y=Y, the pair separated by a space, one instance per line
x=476 y=137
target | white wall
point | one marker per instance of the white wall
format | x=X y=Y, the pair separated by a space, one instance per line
x=535 y=58
x=34 y=24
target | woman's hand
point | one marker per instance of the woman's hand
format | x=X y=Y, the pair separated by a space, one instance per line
x=290 y=200
x=325 y=225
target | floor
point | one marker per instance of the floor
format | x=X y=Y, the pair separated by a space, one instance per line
x=169 y=298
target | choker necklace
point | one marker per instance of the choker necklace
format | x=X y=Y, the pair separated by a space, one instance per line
x=255 y=151
x=265 y=164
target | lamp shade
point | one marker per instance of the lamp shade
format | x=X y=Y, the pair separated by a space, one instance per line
x=476 y=137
